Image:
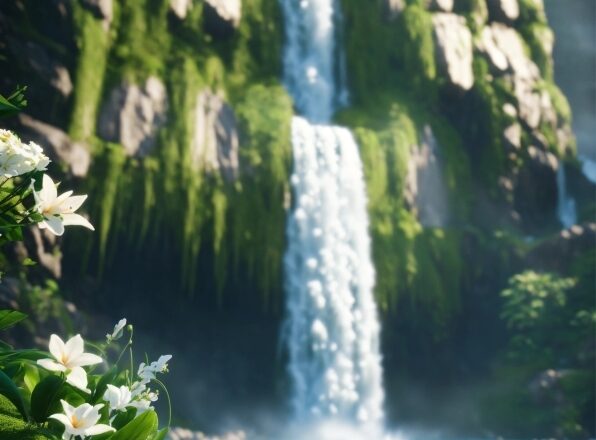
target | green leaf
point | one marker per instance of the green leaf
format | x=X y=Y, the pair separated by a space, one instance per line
x=14 y=103
x=11 y=392
x=44 y=397
x=123 y=418
x=31 y=377
x=160 y=435
x=102 y=384
x=4 y=346
x=8 y=318
x=141 y=428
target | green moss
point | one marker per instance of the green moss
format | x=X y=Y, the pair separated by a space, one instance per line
x=531 y=11
x=12 y=427
x=539 y=39
x=143 y=41
x=259 y=241
x=93 y=42
x=475 y=11
x=417 y=45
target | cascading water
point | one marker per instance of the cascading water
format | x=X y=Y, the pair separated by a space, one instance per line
x=566 y=209
x=332 y=323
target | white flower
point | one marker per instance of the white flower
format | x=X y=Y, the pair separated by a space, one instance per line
x=118 y=398
x=81 y=421
x=58 y=211
x=70 y=358
x=117 y=332
x=68 y=355
x=143 y=401
x=148 y=372
x=18 y=158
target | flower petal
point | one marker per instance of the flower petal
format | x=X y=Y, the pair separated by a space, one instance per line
x=48 y=190
x=50 y=364
x=56 y=347
x=85 y=359
x=68 y=409
x=55 y=225
x=73 y=348
x=98 y=429
x=61 y=199
x=71 y=204
x=78 y=379
x=77 y=220
x=62 y=419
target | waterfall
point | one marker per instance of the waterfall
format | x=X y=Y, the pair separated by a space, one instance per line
x=566 y=210
x=332 y=323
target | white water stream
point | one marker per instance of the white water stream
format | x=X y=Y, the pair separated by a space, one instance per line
x=566 y=208
x=332 y=323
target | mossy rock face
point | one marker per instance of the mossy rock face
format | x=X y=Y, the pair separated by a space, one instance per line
x=13 y=427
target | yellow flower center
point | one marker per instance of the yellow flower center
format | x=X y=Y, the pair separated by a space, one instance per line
x=75 y=422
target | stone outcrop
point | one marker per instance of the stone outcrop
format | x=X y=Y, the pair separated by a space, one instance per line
x=505 y=52
x=215 y=143
x=222 y=17
x=506 y=11
x=57 y=144
x=133 y=115
x=453 y=49
x=558 y=252
x=425 y=189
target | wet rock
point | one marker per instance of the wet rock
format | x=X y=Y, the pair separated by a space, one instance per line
x=535 y=193
x=512 y=136
x=392 y=8
x=133 y=115
x=453 y=49
x=215 y=143
x=187 y=434
x=56 y=144
x=180 y=8
x=556 y=254
x=546 y=386
x=425 y=192
x=222 y=17
x=506 y=11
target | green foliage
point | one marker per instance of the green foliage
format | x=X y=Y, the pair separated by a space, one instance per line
x=8 y=318
x=547 y=374
x=143 y=427
x=14 y=103
x=533 y=311
x=36 y=393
